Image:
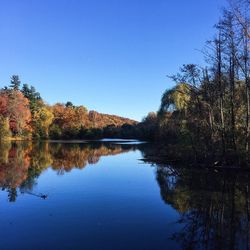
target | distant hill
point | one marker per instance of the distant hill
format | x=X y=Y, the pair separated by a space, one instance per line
x=99 y=120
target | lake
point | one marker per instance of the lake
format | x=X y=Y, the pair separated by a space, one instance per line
x=103 y=195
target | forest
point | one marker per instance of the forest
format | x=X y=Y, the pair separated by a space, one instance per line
x=25 y=115
x=207 y=112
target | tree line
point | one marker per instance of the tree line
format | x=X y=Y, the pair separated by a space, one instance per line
x=24 y=114
x=208 y=109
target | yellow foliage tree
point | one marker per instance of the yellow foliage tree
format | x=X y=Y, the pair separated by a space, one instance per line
x=42 y=119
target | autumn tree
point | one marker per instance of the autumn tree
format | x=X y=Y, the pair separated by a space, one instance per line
x=4 y=128
x=42 y=119
x=15 y=107
x=69 y=119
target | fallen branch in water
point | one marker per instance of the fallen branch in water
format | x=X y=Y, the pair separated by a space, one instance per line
x=42 y=196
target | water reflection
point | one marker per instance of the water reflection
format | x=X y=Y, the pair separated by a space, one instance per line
x=214 y=206
x=22 y=163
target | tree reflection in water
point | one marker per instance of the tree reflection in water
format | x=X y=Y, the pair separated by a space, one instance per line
x=21 y=163
x=213 y=205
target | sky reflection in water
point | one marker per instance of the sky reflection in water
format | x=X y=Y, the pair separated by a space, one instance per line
x=97 y=196
x=101 y=196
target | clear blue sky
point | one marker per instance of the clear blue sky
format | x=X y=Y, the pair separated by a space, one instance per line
x=109 y=55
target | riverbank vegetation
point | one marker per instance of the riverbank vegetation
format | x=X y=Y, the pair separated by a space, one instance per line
x=25 y=115
x=208 y=110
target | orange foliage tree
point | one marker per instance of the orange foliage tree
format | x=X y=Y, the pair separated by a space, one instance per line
x=15 y=107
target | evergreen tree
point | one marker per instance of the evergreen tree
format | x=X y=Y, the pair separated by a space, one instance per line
x=15 y=82
x=32 y=95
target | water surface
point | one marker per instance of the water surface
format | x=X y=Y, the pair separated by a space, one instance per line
x=102 y=196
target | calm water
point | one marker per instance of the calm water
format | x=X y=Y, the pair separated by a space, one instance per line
x=102 y=196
